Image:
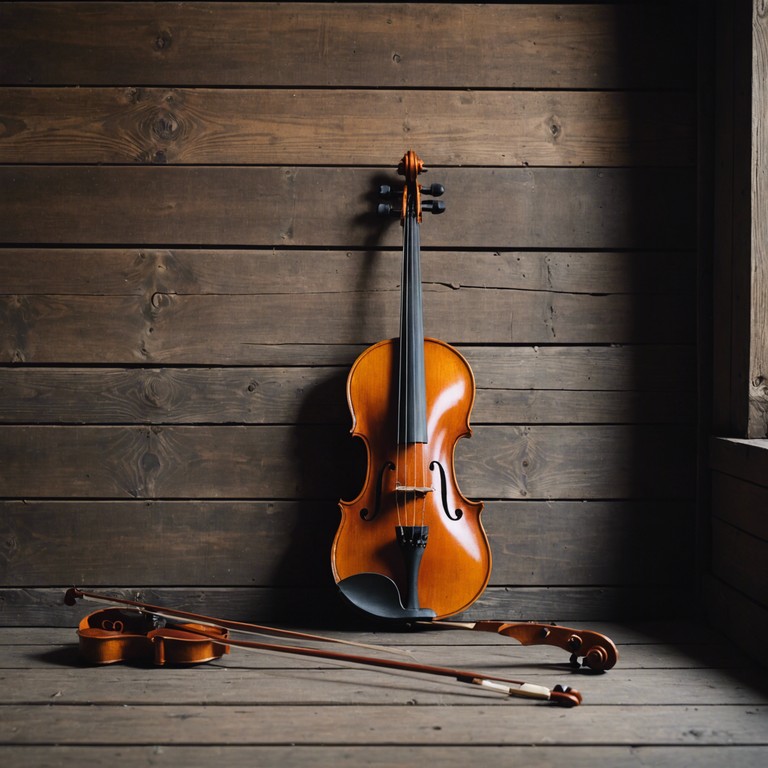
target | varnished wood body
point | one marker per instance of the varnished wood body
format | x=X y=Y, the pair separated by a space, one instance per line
x=106 y=638
x=456 y=564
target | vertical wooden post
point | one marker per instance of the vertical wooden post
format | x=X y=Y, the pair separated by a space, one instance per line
x=741 y=226
x=757 y=419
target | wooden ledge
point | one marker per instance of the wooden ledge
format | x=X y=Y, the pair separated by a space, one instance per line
x=746 y=459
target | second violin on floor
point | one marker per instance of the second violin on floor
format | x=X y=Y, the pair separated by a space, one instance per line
x=141 y=633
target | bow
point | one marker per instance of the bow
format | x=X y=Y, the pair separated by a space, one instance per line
x=560 y=695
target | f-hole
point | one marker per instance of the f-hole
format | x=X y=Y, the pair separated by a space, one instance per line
x=364 y=513
x=457 y=514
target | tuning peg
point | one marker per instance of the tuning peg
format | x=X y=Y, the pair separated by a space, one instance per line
x=387 y=209
x=433 y=206
x=386 y=191
x=433 y=189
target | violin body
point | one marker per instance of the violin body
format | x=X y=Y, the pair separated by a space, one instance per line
x=456 y=562
x=112 y=635
x=410 y=545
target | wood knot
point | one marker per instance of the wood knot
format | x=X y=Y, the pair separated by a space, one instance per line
x=166 y=126
x=156 y=391
x=160 y=300
x=135 y=95
x=163 y=40
x=150 y=462
x=555 y=128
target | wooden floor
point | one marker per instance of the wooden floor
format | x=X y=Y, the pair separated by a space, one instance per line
x=678 y=696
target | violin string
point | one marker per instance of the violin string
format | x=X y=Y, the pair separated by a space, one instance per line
x=407 y=335
x=419 y=470
x=417 y=448
x=401 y=415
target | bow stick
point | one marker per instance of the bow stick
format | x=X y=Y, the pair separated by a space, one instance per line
x=73 y=594
x=599 y=652
x=562 y=696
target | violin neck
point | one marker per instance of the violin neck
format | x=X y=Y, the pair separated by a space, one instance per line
x=412 y=399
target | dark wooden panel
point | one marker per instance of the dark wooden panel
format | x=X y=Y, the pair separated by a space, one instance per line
x=121 y=272
x=739 y=558
x=747 y=459
x=45 y=606
x=549 y=462
x=557 y=407
x=554 y=462
x=741 y=503
x=168 y=327
x=510 y=207
x=743 y=620
x=655 y=368
x=361 y=44
x=272 y=395
x=288 y=543
x=350 y=127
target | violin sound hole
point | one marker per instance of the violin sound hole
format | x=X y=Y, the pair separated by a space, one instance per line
x=456 y=514
x=365 y=512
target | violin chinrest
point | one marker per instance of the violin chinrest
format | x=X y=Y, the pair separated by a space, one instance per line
x=379 y=596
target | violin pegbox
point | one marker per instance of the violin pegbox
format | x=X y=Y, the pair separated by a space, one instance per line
x=410 y=167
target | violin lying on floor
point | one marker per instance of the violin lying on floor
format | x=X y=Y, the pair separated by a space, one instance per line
x=111 y=635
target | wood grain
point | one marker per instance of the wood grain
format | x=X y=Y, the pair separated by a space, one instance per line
x=316 y=394
x=334 y=686
x=31 y=756
x=344 y=127
x=38 y=606
x=545 y=462
x=351 y=45
x=288 y=543
x=142 y=271
x=757 y=390
x=294 y=206
x=425 y=724
x=170 y=327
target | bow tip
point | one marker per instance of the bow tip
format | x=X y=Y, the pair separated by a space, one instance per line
x=565 y=697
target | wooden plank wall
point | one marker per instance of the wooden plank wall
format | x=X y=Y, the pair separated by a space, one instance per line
x=190 y=264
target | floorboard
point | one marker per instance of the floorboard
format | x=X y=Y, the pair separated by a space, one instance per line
x=678 y=696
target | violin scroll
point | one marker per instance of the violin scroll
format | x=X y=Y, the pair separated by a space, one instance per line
x=598 y=651
x=410 y=166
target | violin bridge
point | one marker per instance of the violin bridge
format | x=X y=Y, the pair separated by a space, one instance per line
x=416 y=490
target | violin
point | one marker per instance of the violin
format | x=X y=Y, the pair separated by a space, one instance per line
x=111 y=635
x=410 y=545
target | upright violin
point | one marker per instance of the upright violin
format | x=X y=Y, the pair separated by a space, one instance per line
x=411 y=546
